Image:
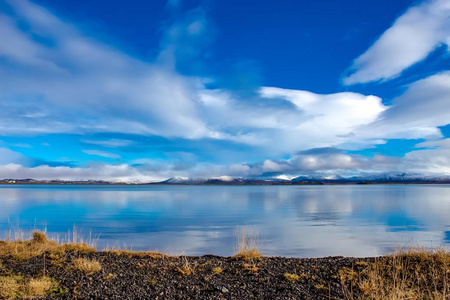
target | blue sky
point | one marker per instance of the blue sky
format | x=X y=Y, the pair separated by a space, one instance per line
x=147 y=90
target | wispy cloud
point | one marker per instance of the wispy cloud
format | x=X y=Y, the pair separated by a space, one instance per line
x=55 y=79
x=417 y=113
x=436 y=159
x=412 y=37
x=102 y=153
x=112 y=143
x=80 y=85
x=184 y=45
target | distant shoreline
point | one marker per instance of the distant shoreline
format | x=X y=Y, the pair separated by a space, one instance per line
x=226 y=184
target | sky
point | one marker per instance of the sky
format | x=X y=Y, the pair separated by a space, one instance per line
x=146 y=90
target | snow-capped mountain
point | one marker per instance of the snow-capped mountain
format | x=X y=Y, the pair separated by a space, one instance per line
x=182 y=180
x=313 y=179
x=405 y=177
x=278 y=179
x=391 y=177
x=220 y=180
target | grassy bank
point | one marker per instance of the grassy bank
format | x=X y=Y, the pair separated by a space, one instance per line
x=410 y=274
x=42 y=268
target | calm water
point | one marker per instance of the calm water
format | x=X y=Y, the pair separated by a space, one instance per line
x=302 y=221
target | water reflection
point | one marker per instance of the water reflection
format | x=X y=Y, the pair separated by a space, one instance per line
x=356 y=220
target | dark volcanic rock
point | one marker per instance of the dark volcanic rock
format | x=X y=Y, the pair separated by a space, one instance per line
x=133 y=276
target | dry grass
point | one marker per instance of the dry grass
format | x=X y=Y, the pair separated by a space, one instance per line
x=39 y=237
x=9 y=287
x=250 y=267
x=37 y=245
x=412 y=274
x=38 y=287
x=291 y=277
x=13 y=287
x=87 y=265
x=186 y=268
x=247 y=246
x=304 y=276
x=184 y=271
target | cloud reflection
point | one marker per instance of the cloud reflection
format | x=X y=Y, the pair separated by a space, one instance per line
x=303 y=221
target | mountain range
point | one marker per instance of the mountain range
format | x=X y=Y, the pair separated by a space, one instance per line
x=312 y=179
x=386 y=178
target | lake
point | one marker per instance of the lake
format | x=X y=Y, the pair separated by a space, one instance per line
x=298 y=221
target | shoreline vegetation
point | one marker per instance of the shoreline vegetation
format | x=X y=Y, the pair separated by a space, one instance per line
x=44 y=268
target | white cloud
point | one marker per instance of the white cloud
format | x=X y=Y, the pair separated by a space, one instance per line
x=327 y=120
x=305 y=164
x=79 y=85
x=435 y=160
x=8 y=156
x=416 y=113
x=91 y=87
x=413 y=36
x=99 y=172
x=76 y=84
x=73 y=84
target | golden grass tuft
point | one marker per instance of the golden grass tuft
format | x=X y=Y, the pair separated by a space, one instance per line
x=37 y=245
x=411 y=274
x=250 y=267
x=186 y=268
x=347 y=274
x=9 y=287
x=39 y=237
x=26 y=249
x=217 y=270
x=304 y=276
x=247 y=247
x=291 y=277
x=184 y=271
x=88 y=266
x=38 y=287
x=248 y=255
x=13 y=287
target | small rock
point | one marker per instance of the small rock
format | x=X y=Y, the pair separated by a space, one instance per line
x=225 y=290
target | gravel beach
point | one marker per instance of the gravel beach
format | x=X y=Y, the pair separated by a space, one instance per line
x=126 y=275
x=40 y=268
